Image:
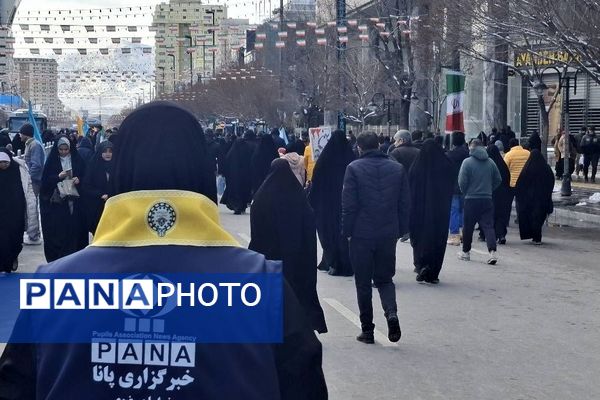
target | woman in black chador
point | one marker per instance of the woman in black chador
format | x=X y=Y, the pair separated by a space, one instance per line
x=534 y=197
x=238 y=176
x=283 y=228
x=264 y=154
x=12 y=212
x=63 y=219
x=96 y=187
x=431 y=186
x=326 y=200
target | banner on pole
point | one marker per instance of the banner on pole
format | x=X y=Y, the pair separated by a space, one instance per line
x=455 y=88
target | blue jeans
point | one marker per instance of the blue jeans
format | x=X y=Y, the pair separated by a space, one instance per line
x=456 y=214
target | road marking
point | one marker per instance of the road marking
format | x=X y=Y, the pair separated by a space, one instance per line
x=350 y=316
x=244 y=237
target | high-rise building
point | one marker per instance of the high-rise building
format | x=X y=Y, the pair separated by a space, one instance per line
x=38 y=83
x=8 y=9
x=186 y=42
x=7 y=76
x=300 y=10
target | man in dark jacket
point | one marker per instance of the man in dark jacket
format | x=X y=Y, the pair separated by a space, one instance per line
x=404 y=152
x=590 y=148
x=457 y=155
x=371 y=184
x=478 y=177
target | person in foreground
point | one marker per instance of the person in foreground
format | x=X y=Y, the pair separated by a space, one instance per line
x=194 y=242
x=478 y=178
x=373 y=183
x=12 y=212
x=534 y=197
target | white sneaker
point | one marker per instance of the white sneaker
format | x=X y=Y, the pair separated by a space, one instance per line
x=464 y=256
x=493 y=258
x=29 y=242
x=454 y=240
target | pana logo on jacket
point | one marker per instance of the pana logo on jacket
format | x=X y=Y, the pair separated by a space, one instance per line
x=161 y=218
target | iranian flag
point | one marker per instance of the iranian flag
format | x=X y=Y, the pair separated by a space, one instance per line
x=455 y=87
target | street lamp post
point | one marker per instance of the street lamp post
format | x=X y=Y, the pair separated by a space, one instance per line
x=163 y=79
x=565 y=188
x=212 y=12
x=389 y=104
x=190 y=51
x=173 y=55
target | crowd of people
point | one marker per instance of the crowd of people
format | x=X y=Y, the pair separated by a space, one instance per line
x=359 y=197
x=63 y=193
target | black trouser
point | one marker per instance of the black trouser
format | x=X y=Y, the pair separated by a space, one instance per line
x=560 y=167
x=479 y=211
x=593 y=160
x=374 y=261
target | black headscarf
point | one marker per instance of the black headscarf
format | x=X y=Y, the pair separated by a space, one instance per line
x=85 y=149
x=53 y=167
x=162 y=146
x=534 y=195
x=431 y=186
x=264 y=154
x=326 y=200
x=496 y=157
x=12 y=213
x=283 y=228
x=96 y=184
x=4 y=138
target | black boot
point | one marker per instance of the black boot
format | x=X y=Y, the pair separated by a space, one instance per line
x=394 y=332
x=366 y=337
x=323 y=266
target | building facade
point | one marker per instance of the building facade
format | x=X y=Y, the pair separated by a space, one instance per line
x=38 y=83
x=186 y=42
x=231 y=41
x=8 y=9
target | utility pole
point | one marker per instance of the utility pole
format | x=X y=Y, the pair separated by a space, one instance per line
x=281 y=52
x=340 y=16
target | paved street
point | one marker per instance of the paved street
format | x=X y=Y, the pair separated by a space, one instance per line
x=527 y=328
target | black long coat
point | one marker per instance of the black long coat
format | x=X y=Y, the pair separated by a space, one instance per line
x=431 y=181
x=63 y=221
x=326 y=200
x=534 y=196
x=283 y=228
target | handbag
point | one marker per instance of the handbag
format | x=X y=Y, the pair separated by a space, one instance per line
x=66 y=188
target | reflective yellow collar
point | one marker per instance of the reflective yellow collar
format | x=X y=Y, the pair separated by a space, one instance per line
x=161 y=217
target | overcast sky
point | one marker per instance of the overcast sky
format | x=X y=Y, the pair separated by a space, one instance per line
x=76 y=4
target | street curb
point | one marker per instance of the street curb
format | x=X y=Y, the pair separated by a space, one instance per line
x=576 y=219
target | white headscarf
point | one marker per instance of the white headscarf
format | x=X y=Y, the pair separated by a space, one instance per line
x=65 y=161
